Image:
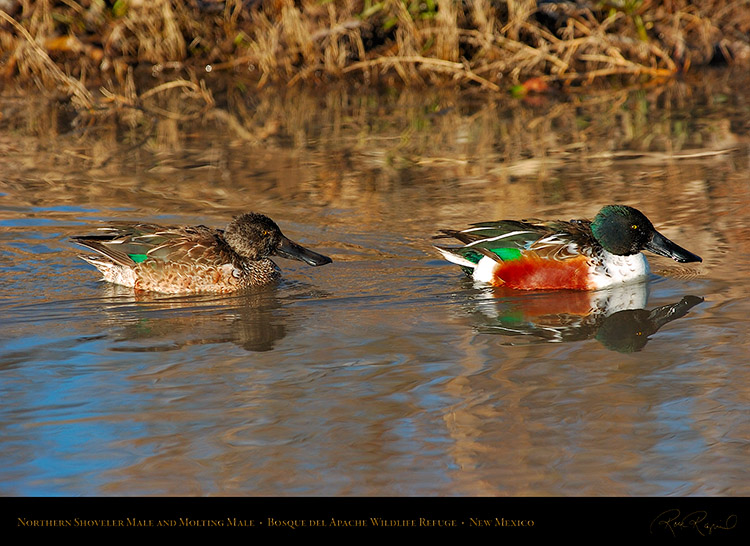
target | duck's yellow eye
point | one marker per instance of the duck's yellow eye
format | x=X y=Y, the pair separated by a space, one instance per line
x=634 y=226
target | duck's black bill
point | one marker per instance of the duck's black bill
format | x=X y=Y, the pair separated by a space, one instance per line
x=293 y=251
x=664 y=247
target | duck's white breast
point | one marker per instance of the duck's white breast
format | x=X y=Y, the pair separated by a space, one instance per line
x=613 y=269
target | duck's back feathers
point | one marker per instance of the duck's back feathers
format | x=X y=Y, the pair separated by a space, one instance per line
x=129 y=243
x=508 y=240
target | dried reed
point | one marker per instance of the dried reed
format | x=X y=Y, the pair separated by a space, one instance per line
x=75 y=45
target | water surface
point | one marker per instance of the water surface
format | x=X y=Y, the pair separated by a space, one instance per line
x=387 y=372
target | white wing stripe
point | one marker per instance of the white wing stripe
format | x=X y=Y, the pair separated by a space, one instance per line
x=503 y=236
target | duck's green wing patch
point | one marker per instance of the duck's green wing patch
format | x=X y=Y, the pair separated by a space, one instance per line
x=507 y=254
x=476 y=253
x=138 y=258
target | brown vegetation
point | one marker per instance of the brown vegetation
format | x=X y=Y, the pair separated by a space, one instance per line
x=74 y=46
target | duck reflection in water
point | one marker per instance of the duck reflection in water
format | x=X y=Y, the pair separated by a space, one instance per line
x=616 y=317
x=254 y=319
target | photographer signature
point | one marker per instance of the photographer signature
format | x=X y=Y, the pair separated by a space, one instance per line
x=674 y=521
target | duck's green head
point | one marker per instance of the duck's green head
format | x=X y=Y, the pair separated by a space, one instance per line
x=623 y=231
x=255 y=236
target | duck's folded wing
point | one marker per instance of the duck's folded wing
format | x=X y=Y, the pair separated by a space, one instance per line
x=502 y=240
x=506 y=240
x=128 y=243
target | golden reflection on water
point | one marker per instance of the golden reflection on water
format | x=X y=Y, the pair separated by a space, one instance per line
x=387 y=373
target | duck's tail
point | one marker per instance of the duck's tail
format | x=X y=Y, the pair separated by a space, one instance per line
x=452 y=256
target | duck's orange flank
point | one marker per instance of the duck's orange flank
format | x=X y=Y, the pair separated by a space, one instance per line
x=531 y=272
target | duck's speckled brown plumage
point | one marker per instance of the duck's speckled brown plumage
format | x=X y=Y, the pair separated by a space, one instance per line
x=184 y=259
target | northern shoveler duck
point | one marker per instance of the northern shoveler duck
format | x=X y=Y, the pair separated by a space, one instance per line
x=575 y=255
x=183 y=259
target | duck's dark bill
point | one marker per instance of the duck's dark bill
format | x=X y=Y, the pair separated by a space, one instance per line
x=290 y=249
x=664 y=247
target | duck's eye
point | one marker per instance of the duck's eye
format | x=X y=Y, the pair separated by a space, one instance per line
x=634 y=226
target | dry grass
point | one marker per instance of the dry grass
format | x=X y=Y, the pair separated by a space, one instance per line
x=73 y=46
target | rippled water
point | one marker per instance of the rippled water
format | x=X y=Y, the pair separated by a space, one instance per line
x=386 y=372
